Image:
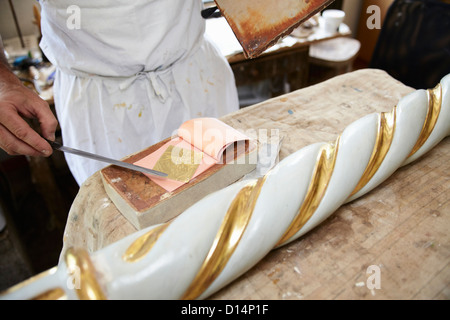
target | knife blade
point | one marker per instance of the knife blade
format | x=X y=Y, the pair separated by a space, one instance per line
x=59 y=147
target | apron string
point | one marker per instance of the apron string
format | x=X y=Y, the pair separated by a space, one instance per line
x=154 y=84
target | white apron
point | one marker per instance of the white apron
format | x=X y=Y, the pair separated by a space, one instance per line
x=130 y=73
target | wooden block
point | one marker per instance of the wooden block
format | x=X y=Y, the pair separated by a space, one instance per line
x=145 y=203
x=258 y=24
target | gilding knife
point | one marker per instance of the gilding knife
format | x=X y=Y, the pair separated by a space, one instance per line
x=60 y=147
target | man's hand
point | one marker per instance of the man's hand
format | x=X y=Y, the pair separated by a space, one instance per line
x=17 y=101
x=16 y=136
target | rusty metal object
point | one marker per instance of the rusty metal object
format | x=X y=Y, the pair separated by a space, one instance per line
x=258 y=24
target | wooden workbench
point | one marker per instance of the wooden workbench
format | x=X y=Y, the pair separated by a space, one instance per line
x=401 y=227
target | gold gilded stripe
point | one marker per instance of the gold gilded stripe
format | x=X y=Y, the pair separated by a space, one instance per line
x=434 y=108
x=142 y=245
x=79 y=263
x=385 y=135
x=52 y=294
x=316 y=190
x=230 y=232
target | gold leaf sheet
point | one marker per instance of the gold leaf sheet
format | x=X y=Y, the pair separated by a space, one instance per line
x=179 y=163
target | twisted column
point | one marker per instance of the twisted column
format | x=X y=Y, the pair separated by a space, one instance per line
x=226 y=233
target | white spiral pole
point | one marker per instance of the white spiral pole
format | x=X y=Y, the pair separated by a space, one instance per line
x=228 y=232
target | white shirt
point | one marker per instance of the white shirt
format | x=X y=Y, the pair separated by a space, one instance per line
x=130 y=73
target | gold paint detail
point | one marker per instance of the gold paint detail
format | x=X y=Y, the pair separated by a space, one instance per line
x=80 y=265
x=434 y=109
x=319 y=182
x=383 y=142
x=230 y=233
x=142 y=245
x=52 y=294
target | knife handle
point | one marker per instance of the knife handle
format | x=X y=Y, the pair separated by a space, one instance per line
x=55 y=145
x=211 y=13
